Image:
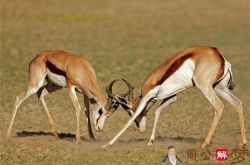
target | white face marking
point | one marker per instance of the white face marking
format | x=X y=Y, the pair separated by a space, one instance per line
x=143 y=124
x=95 y=118
x=99 y=119
x=180 y=80
x=57 y=79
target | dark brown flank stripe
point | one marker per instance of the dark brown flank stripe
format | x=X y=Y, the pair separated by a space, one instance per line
x=174 y=67
x=54 y=69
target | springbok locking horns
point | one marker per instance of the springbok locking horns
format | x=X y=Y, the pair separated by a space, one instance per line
x=201 y=66
x=50 y=71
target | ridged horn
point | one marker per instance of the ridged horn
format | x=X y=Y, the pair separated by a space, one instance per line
x=130 y=90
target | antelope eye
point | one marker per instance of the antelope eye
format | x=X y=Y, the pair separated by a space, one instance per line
x=100 y=112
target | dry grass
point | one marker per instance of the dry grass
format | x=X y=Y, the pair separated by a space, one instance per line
x=121 y=39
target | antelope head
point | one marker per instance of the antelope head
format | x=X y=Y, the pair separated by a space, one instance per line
x=125 y=99
x=115 y=100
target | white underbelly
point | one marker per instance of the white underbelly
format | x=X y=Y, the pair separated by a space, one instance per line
x=179 y=81
x=57 y=79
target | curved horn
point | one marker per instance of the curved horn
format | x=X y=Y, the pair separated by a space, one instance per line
x=124 y=94
x=109 y=88
x=130 y=91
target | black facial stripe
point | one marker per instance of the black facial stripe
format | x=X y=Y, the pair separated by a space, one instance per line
x=100 y=111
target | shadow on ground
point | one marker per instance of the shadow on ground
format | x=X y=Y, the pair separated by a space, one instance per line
x=67 y=136
x=71 y=137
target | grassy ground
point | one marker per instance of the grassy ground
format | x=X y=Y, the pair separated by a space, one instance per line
x=121 y=39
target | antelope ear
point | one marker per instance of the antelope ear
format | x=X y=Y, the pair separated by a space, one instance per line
x=124 y=103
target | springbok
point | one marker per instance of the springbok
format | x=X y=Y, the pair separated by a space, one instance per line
x=200 y=66
x=52 y=70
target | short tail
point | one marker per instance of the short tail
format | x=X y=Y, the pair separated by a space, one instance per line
x=230 y=84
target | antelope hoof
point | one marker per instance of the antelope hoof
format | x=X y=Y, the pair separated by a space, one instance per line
x=55 y=135
x=141 y=130
x=242 y=144
x=105 y=146
x=204 y=145
x=78 y=142
x=135 y=128
x=92 y=138
x=150 y=142
x=53 y=129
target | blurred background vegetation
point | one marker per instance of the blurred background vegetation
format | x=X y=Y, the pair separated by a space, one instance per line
x=121 y=39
